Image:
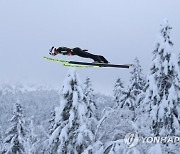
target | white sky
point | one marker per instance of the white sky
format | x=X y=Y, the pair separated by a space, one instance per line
x=118 y=29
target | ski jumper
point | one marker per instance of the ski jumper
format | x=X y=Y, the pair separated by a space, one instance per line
x=79 y=52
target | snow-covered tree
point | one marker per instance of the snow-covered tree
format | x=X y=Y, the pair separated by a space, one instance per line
x=89 y=93
x=54 y=124
x=114 y=125
x=15 y=142
x=52 y=121
x=103 y=102
x=137 y=80
x=163 y=87
x=32 y=138
x=118 y=91
x=92 y=108
x=70 y=133
x=136 y=86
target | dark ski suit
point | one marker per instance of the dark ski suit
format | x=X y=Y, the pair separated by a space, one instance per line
x=79 y=52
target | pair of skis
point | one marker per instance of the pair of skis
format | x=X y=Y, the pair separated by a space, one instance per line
x=85 y=64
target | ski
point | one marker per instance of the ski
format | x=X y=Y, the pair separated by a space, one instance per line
x=86 y=64
x=55 y=60
x=101 y=64
x=66 y=63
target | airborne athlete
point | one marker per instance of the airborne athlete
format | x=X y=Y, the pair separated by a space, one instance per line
x=79 y=52
x=99 y=61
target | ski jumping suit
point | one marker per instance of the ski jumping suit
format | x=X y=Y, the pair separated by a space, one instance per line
x=79 y=52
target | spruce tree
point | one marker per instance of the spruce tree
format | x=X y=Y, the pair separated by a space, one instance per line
x=137 y=83
x=70 y=133
x=163 y=87
x=32 y=138
x=92 y=108
x=118 y=91
x=89 y=93
x=15 y=142
x=52 y=122
x=137 y=80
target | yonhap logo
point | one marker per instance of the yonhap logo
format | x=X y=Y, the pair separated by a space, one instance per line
x=131 y=139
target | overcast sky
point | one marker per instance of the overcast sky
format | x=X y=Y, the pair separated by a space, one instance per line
x=118 y=29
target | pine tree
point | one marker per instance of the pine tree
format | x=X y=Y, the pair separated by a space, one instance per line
x=89 y=93
x=91 y=110
x=15 y=142
x=70 y=133
x=137 y=83
x=163 y=87
x=32 y=138
x=118 y=91
x=52 y=122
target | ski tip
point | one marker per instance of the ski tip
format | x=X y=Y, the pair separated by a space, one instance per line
x=45 y=57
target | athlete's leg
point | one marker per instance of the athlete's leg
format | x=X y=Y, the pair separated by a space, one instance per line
x=84 y=54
